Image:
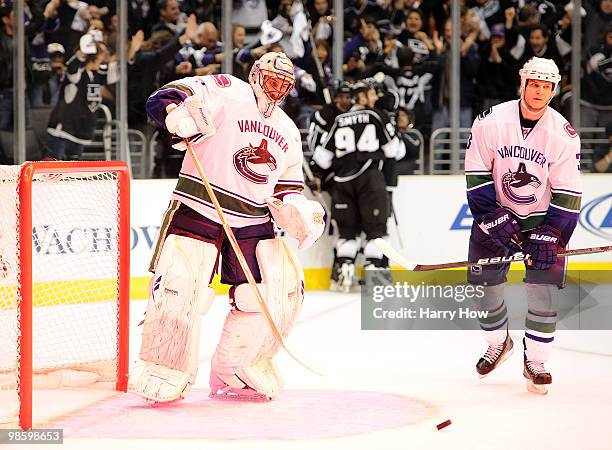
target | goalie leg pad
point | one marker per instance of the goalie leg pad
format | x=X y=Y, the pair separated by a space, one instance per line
x=242 y=364
x=171 y=333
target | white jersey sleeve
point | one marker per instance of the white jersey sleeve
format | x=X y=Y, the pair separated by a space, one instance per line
x=565 y=185
x=479 y=157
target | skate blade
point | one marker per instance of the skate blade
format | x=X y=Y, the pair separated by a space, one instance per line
x=156 y=403
x=340 y=288
x=232 y=396
x=541 y=389
x=501 y=361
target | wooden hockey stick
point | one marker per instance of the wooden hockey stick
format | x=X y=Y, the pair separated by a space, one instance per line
x=394 y=255
x=397 y=227
x=241 y=259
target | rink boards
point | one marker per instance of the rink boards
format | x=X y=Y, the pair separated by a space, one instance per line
x=434 y=222
x=432 y=213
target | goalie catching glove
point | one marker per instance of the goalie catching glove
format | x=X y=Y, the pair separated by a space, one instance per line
x=189 y=120
x=301 y=218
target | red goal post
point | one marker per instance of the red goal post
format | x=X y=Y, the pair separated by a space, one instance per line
x=65 y=274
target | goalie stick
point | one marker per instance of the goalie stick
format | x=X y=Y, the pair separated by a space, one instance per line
x=394 y=255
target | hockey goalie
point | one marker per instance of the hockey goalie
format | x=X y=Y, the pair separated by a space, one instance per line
x=252 y=155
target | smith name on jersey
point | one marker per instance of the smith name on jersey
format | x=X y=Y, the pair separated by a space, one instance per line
x=247 y=160
x=356 y=137
x=534 y=173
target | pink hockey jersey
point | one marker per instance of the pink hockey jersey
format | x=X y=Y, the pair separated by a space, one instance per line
x=535 y=174
x=247 y=160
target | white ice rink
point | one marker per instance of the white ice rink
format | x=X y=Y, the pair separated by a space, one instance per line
x=383 y=390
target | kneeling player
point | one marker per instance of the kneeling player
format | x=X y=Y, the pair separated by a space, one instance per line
x=251 y=153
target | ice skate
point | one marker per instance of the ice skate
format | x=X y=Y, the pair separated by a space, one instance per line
x=222 y=391
x=537 y=378
x=343 y=276
x=376 y=276
x=494 y=357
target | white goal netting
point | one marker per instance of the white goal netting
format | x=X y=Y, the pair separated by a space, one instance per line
x=74 y=271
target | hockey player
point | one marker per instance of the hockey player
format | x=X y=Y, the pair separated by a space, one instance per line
x=523 y=188
x=323 y=120
x=355 y=149
x=251 y=153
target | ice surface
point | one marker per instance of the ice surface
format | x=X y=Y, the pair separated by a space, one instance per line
x=383 y=390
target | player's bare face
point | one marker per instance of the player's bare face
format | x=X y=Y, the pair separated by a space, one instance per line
x=343 y=102
x=372 y=98
x=535 y=100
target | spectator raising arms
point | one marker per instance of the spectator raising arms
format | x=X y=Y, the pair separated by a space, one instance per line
x=72 y=121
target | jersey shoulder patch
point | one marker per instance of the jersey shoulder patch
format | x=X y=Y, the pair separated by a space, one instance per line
x=222 y=80
x=485 y=113
x=569 y=129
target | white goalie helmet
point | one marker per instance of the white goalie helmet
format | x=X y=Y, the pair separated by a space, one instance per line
x=271 y=78
x=539 y=69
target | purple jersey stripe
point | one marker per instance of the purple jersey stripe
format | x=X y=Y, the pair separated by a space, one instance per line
x=482 y=201
x=159 y=100
x=564 y=221
x=538 y=338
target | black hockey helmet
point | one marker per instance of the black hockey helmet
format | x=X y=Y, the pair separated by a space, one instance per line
x=342 y=87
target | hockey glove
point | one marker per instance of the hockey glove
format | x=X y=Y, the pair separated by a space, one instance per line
x=301 y=218
x=503 y=229
x=189 y=119
x=542 y=244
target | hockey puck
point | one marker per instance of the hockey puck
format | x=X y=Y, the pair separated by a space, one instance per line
x=443 y=424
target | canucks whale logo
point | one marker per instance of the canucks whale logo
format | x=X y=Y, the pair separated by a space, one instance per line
x=518 y=186
x=254 y=155
x=596 y=216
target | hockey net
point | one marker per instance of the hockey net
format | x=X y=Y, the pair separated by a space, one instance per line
x=64 y=279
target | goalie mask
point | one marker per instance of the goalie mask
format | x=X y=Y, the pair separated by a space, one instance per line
x=271 y=78
x=540 y=69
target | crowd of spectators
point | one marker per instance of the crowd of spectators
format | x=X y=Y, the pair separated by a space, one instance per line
x=406 y=40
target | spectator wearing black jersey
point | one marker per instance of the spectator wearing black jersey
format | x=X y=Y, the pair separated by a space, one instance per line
x=412 y=83
x=72 y=121
x=415 y=37
x=496 y=76
x=410 y=143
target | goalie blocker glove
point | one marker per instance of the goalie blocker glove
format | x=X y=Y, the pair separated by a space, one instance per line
x=301 y=218
x=503 y=229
